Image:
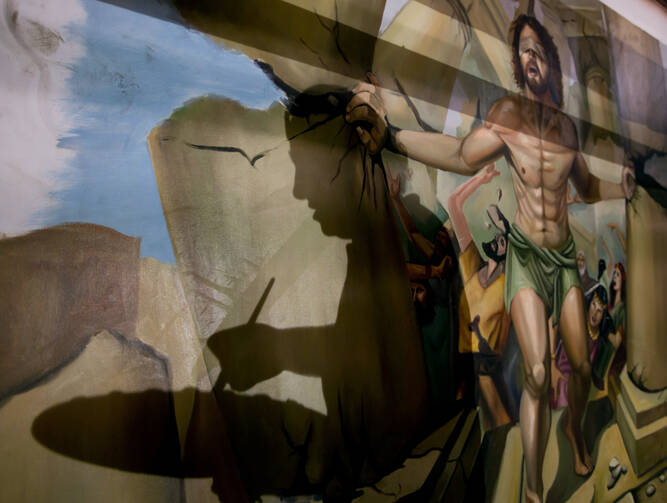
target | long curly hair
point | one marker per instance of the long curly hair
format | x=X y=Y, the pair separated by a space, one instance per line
x=621 y=271
x=555 y=73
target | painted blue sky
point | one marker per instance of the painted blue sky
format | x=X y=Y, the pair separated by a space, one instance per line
x=132 y=71
x=136 y=70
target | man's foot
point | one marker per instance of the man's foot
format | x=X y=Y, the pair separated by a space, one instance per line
x=583 y=463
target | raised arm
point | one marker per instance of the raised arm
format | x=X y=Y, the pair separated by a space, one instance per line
x=417 y=238
x=465 y=156
x=610 y=261
x=614 y=226
x=592 y=189
x=459 y=196
x=420 y=272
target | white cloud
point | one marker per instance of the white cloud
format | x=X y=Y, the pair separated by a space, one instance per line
x=36 y=54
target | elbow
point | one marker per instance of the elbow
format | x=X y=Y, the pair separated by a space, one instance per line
x=589 y=198
x=588 y=189
x=450 y=202
x=466 y=168
x=453 y=203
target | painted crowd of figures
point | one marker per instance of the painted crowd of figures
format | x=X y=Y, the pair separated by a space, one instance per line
x=531 y=275
x=450 y=281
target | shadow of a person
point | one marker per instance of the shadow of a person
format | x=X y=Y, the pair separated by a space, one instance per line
x=370 y=363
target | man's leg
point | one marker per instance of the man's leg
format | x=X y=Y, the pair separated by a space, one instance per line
x=530 y=322
x=493 y=401
x=573 y=333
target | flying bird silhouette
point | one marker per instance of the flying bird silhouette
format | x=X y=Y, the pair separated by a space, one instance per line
x=216 y=148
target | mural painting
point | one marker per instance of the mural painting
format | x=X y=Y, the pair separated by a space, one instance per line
x=300 y=251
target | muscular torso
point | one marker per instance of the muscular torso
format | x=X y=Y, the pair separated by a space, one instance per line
x=541 y=149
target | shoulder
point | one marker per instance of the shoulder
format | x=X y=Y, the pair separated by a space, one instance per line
x=469 y=261
x=504 y=113
x=568 y=131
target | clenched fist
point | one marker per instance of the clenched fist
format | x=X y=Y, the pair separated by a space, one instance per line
x=367 y=112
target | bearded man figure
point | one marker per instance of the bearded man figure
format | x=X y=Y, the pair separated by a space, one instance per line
x=587 y=283
x=542 y=287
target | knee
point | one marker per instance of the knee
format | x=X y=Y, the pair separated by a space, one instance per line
x=537 y=381
x=583 y=370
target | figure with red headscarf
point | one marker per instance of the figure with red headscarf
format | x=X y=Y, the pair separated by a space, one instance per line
x=617 y=311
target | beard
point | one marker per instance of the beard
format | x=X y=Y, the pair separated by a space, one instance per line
x=491 y=250
x=582 y=271
x=534 y=78
x=538 y=85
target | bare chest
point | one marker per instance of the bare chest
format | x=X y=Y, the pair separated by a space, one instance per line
x=538 y=162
